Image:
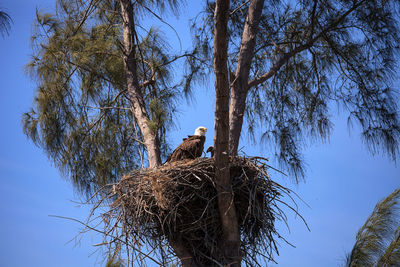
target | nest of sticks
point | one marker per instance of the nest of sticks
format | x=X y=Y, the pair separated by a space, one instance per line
x=178 y=201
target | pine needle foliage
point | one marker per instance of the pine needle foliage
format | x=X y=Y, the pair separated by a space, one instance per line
x=377 y=241
x=5 y=23
x=320 y=54
x=114 y=259
x=81 y=115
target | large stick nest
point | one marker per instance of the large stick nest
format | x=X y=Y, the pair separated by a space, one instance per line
x=178 y=201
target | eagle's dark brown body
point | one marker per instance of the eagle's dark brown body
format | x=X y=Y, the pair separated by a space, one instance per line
x=191 y=148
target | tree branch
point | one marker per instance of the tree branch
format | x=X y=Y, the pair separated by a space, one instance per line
x=239 y=7
x=278 y=65
x=138 y=105
x=313 y=18
x=85 y=16
x=275 y=67
x=106 y=234
x=239 y=83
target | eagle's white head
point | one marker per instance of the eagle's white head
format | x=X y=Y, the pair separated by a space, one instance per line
x=200 y=131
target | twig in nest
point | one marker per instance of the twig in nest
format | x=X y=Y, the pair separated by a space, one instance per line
x=178 y=202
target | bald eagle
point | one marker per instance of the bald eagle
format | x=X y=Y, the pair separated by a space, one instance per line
x=191 y=147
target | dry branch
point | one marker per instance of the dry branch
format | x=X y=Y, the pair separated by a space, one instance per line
x=178 y=201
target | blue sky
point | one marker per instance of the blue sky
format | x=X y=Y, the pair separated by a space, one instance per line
x=344 y=181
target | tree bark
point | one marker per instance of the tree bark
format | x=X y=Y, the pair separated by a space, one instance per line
x=240 y=80
x=138 y=109
x=182 y=253
x=227 y=211
x=138 y=106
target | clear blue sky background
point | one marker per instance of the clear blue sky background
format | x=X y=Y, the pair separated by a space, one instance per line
x=343 y=182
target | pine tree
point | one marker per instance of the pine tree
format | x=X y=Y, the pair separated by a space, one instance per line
x=291 y=62
x=106 y=94
x=285 y=55
x=103 y=103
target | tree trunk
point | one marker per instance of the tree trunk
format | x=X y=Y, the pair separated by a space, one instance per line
x=182 y=253
x=227 y=211
x=138 y=107
x=240 y=80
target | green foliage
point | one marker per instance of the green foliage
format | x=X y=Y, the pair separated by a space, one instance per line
x=114 y=258
x=81 y=113
x=377 y=242
x=348 y=58
x=111 y=263
x=81 y=103
x=114 y=261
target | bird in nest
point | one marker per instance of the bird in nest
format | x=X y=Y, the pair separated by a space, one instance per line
x=191 y=147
